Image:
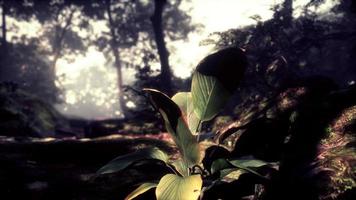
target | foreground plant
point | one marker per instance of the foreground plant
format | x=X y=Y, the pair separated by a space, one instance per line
x=214 y=81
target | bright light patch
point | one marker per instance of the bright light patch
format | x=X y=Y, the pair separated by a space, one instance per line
x=186 y=55
x=70 y=97
x=226 y=14
x=90 y=86
x=214 y=16
x=323 y=9
x=72 y=70
x=130 y=104
x=29 y=28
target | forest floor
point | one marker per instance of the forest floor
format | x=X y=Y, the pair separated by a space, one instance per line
x=65 y=166
x=50 y=168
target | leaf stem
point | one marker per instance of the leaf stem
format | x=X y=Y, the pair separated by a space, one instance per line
x=199 y=129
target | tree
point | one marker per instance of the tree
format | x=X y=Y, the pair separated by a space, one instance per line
x=137 y=22
x=114 y=48
x=156 y=19
x=284 y=48
x=3 y=26
x=130 y=32
x=31 y=61
x=59 y=37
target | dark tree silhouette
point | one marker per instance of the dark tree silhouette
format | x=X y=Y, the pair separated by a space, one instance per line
x=3 y=26
x=133 y=22
x=114 y=48
x=156 y=19
x=284 y=48
x=3 y=46
x=60 y=33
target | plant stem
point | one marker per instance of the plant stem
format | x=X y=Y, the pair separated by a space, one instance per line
x=199 y=130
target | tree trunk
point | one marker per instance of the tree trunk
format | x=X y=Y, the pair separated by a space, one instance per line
x=166 y=74
x=57 y=47
x=3 y=26
x=117 y=62
x=4 y=44
x=287 y=12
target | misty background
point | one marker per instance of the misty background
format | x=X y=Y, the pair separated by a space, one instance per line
x=80 y=55
x=71 y=99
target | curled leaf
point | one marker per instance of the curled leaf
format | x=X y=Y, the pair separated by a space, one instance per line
x=215 y=79
x=227 y=65
x=214 y=153
x=176 y=126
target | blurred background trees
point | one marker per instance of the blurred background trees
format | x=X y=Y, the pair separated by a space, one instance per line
x=297 y=43
x=134 y=29
x=133 y=36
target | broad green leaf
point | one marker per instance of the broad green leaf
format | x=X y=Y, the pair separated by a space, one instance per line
x=169 y=110
x=188 y=144
x=227 y=65
x=176 y=126
x=220 y=164
x=226 y=171
x=140 y=190
x=225 y=167
x=124 y=161
x=248 y=162
x=208 y=96
x=182 y=99
x=216 y=77
x=173 y=187
x=181 y=167
x=185 y=102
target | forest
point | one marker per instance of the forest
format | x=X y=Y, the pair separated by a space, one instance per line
x=267 y=112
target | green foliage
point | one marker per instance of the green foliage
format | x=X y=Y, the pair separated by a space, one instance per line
x=182 y=115
x=176 y=126
x=215 y=79
x=175 y=187
x=185 y=102
x=244 y=165
x=124 y=161
x=208 y=96
x=142 y=189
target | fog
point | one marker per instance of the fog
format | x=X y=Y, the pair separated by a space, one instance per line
x=87 y=77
